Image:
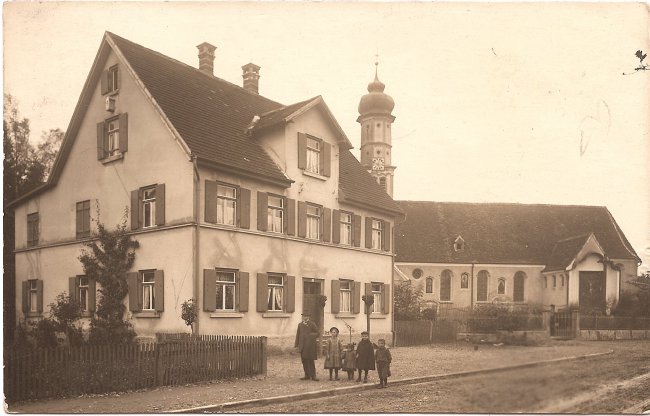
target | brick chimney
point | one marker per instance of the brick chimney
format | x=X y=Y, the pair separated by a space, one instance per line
x=251 y=77
x=206 y=57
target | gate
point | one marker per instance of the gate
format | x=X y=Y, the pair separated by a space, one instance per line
x=562 y=325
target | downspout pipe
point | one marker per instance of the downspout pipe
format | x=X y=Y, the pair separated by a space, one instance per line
x=196 y=274
x=471 y=295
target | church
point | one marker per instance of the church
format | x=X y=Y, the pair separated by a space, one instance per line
x=468 y=254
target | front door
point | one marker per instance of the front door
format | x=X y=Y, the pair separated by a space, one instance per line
x=592 y=292
x=311 y=291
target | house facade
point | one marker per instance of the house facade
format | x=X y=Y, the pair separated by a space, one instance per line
x=549 y=256
x=252 y=208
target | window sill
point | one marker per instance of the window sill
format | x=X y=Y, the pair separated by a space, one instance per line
x=226 y=315
x=87 y=314
x=34 y=315
x=146 y=314
x=345 y=315
x=314 y=175
x=113 y=158
x=448 y=302
x=377 y=316
x=276 y=315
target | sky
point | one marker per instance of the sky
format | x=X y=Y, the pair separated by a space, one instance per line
x=494 y=102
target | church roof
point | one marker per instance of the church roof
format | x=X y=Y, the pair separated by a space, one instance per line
x=500 y=233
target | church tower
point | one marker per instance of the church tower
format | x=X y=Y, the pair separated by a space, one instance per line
x=375 y=118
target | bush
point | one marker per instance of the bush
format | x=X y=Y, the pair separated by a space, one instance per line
x=44 y=333
x=633 y=304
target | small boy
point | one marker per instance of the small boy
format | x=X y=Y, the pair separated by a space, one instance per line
x=365 y=356
x=383 y=358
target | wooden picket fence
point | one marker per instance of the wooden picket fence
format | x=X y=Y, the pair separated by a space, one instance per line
x=94 y=369
x=410 y=333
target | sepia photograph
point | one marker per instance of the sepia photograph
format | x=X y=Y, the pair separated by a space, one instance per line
x=326 y=207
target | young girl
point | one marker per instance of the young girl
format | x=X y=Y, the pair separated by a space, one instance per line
x=334 y=353
x=350 y=360
x=365 y=356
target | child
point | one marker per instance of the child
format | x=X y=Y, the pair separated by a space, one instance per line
x=334 y=353
x=383 y=358
x=365 y=356
x=349 y=360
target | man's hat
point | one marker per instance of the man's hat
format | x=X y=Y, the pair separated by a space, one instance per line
x=306 y=314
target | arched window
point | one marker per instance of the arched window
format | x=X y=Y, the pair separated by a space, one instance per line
x=445 y=286
x=501 y=286
x=429 y=285
x=518 y=291
x=482 y=286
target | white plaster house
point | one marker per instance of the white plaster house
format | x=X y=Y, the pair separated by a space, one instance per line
x=553 y=256
x=250 y=207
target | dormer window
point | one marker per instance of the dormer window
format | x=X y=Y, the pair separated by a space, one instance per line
x=314 y=155
x=459 y=244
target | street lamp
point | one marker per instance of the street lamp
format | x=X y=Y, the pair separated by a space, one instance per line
x=368 y=300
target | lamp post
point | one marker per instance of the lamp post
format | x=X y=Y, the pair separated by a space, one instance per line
x=368 y=300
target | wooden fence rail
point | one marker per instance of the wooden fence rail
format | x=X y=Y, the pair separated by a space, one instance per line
x=70 y=371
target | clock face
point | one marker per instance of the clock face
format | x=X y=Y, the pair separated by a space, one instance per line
x=377 y=163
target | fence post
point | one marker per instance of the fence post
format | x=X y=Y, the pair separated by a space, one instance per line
x=264 y=353
x=546 y=321
x=159 y=370
x=575 y=323
x=430 y=331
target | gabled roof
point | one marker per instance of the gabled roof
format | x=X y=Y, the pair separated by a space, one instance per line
x=565 y=252
x=501 y=233
x=358 y=187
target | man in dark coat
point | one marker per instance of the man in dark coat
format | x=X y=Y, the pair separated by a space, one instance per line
x=306 y=344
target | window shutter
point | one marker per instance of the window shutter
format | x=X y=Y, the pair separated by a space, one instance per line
x=118 y=77
x=291 y=217
x=357 y=230
x=262 y=211
x=72 y=287
x=336 y=297
x=356 y=297
x=39 y=296
x=368 y=289
x=368 y=232
x=302 y=151
x=80 y=222
x=290 y=300
x=104 y=82
x=124 y=132
x=385 y=304
x=210 y=201
x=135 y=209
x=209 y=290
x=132 y=281
x=302 y=219
x=159 y=290
x=336 y=226
x=160 y=204
x=92 y=294
x=101 y=149
x=243 y=291
x=385 y=236
x=326 y=159
x=327 y=224
x=244 y=208
x=25 y=296
x=262 y=292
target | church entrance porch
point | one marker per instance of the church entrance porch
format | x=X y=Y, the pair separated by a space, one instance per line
x=592 y=292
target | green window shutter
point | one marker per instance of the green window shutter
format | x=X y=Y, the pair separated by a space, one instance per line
x=385 y=236
x=160 y=204
x=336 y=226
x=135 y=209
x=101 y=149
x=291 y=216
x=290 y=300
x=356 y=297
x=209 y=290
x=104 y=82
x=132 y=281
x=244 y=208
x=211 y=202
x=262 y=210
x=159 y=290
x=336 y=297
x=262 y=292
x=39 y=296
x=326 y=159
x=92 y=294
x=72 y=287
x=356 y=237
x=302 y=150
x=368 y=232
x=25 y=286
x=385 y=305
x=302 y=219
x=243 y=291
x=327 y=224
x=124 y=132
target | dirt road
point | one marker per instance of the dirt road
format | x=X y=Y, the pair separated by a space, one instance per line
x=607 y=384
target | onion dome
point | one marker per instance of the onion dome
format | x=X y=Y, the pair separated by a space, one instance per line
x=376 y=101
